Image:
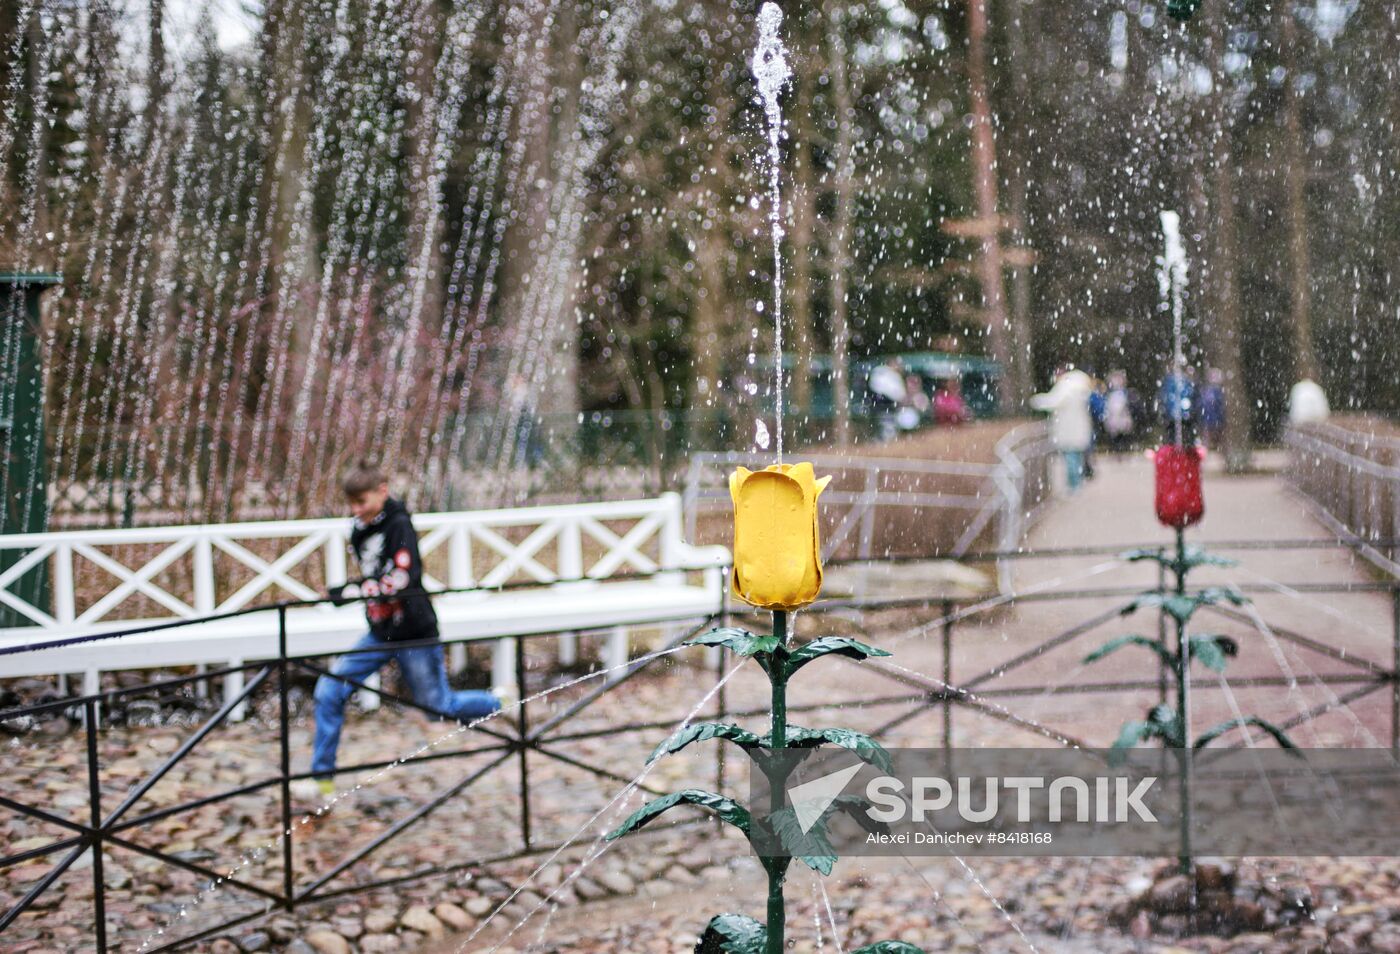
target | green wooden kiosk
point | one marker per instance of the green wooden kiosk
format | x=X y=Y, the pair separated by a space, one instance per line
x=23 y=454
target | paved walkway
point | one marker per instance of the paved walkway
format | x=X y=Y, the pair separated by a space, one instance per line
x=1116 y=510
x=1113 y=513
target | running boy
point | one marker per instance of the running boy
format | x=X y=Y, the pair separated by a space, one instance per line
x=386 y=549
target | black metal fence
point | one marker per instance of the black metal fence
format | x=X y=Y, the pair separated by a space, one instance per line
x=507 y=746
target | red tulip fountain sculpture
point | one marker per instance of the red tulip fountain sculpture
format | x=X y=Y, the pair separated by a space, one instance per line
x=1180 y=503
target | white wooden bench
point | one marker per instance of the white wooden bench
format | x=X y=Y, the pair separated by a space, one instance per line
x=582 y=552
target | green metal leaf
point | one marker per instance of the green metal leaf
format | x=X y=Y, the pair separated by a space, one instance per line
x=1155 y=554
x=727 y=809
x=1221 y=594
x=811 y=847
x=700 y=732
x=1193 y=557
x=739 y=641
x=733 y=934
x=858 y=742
x=857 y=806
x=1199 y=556
x=1215 y=732
x=888 y=947
x=1173 y=604
x=1183 y=606
x=1166 y=723
x=1132 y=734
x=1161 y=724
x=828 y=646
x=1213 y=651
x=1113 y=645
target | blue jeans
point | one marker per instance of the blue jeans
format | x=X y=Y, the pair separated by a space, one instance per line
x=422 y=669
x=1074 y=469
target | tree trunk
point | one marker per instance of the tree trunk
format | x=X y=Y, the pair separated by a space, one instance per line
x=1225 y=326
x=1296 y=174
x=840 y=254
x=984 y=181
x=155 y=65
x=1022 y=338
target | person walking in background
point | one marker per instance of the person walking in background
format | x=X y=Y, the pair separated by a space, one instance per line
x=1178 y=406
x=398 y=611
x=916 y=407
x=1213 y=409
x=949 y=408
x=1071 y=425
x=1096 y=412
x=1118 y=418
x=1307 y=403
x=887 y=395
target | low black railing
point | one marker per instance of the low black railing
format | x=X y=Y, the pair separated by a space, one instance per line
x=921 y=694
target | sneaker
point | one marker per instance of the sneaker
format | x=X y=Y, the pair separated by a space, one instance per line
x=507 y=696
x=313 y=791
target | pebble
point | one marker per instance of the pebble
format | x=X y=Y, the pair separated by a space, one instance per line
x=325 y=941
x=348 y=927
x=452 y=916
x=616 y=882
x=376 y=943
x=380 y=922
x=588 y=889
x=479 y=907
x=418 y=918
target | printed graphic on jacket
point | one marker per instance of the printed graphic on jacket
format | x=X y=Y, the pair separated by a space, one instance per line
x=386 y=550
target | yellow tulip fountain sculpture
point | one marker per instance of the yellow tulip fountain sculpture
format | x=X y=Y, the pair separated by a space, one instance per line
x=777 y=567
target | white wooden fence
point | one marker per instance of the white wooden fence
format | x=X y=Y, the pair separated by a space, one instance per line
x=109 y=580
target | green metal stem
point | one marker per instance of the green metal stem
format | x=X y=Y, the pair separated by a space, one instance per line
x=1183 y=709
x=777 y=867
x=779 y=681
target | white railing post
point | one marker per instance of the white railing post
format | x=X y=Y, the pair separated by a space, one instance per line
x=503 y=665
x=459 y=576
x=671 y=540
x=205 y=600
x=65 y=608
x=336 y=569
x=205 y=594
x=617 y=653
x=570 y=568
x=459 y=557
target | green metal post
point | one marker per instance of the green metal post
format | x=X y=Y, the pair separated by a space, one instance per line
x=1183 y=644
x=777 y=867
x=23 y=453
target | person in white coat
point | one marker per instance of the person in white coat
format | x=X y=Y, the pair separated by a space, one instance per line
x=1071 y=423
x=1307 y=403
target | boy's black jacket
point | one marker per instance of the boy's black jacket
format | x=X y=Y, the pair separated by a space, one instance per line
x=386 y=549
